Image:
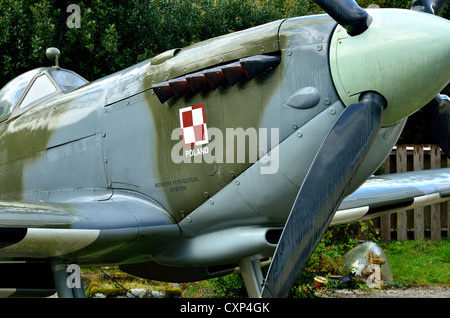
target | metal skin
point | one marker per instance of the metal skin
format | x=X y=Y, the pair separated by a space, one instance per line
x=382 y=58
x=98 y=175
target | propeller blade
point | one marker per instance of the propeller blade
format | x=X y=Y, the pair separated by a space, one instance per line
x=323 y=189
x=439 y=109
x=348 y=14
x=429 y=6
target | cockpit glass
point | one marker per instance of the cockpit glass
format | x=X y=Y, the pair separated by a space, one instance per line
x=68 y=81
x=41 y=87
x=11 y=92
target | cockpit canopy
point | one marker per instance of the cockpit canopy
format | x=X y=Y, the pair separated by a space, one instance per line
x=36 y=85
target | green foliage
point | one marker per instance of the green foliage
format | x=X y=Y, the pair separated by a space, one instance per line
x=419 y=262
x=116 y=34
x=327 y=258
x=229 y=286
x=422 y=263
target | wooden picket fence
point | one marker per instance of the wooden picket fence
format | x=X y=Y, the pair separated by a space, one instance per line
x=431 y=222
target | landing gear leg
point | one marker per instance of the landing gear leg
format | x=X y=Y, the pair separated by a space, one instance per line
x=68 y=282
x=253 y=277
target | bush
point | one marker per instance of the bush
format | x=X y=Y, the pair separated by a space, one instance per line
x=115 y=34
x=326 y=259
x=229 y=286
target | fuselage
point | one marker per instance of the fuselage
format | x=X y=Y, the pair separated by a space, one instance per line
x=114 y=133
x=116 y=136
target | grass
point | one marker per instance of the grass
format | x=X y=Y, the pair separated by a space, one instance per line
x=413 y=263
x=422 y=263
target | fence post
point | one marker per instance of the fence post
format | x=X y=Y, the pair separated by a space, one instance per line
x=448 y=207
x=435 y=162
x=421 y=221
x=385 y=220
x=419 y=226
x=385 y=228
x=402 y=161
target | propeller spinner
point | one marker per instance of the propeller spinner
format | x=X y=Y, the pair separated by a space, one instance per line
x=386 y=64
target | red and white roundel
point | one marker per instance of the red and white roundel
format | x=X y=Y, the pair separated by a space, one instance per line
x=193 y=126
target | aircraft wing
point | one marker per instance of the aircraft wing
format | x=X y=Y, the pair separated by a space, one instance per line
x=90 y=229
x=85 y=229
x=394 y=192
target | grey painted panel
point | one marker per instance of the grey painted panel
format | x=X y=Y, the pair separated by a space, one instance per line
x=73 y=165
x=129 y=147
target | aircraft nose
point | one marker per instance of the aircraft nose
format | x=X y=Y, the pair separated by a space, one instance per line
x=403 y=55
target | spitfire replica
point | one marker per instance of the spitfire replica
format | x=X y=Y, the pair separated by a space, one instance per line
x=239 y=149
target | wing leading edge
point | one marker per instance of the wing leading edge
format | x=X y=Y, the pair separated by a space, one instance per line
x=94 y=230
x=86 y=230
x=394 y=192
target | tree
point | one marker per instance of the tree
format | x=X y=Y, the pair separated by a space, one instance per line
x=116 y=34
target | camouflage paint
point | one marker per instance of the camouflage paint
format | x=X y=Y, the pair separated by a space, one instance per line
x=43 y=131
x=120 y=113
x=258 y=103
x=235 y=106
x=22 y=140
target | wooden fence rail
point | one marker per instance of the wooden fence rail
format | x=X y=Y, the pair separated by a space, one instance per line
x=432 y=222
